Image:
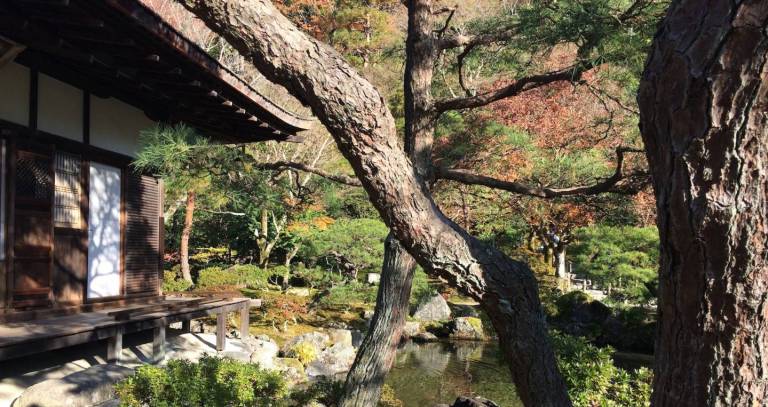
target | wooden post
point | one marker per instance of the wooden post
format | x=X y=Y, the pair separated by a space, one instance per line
x=221 y=331
x=245 y=321
x=158 y=344
x=186 y=326
x=115 y=348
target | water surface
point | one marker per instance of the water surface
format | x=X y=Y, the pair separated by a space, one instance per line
x=433 y=373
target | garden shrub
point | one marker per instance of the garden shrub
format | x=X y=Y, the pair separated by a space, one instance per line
x=593 y=379
x=325 y=391
x=303 y=351
x=361 y=241
x=216 y=277
x=173 y=283
x=354 y=293
x=246 y=275
x=568 y=302
x=210 y=382
x=422 y=288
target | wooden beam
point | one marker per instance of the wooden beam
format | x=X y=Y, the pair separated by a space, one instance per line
x=158 y=344
x=186 y=326
x=115 y=348
x=245 y=322
x=221 y=331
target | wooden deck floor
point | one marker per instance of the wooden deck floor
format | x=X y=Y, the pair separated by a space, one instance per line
x=23 y=338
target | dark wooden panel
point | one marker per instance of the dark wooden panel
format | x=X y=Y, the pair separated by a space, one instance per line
x=70 y=266
x=142 y=234
x=33 y=225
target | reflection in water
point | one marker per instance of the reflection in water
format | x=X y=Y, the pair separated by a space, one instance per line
x=432 y=373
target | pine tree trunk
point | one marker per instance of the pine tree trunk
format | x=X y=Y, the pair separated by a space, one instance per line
x=703 y=102
x=357 y=117
x=189 y=216
x=377 y=352
x=374 y=360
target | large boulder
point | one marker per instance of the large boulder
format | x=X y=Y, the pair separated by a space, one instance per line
x=318 y=341
x=292 y=370
x=340 y=336
x=89 y=387
x=263 y=352
x=333 y=361
x=467 y=328
x=433 y=309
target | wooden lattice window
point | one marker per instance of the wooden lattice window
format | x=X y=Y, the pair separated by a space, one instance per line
x=33 y=181
x=66 y=210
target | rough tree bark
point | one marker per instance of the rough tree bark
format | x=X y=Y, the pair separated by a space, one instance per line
x=703 y=101
x=377 y=353
x=189 y=217
x=357 y=117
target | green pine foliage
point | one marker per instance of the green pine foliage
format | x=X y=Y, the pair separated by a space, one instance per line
x=625 y=257
x=361 y=241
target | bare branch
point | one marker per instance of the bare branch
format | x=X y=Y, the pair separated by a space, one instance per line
x=611 y=184
x=462 y=40
x=282 y=165
x=572 y=73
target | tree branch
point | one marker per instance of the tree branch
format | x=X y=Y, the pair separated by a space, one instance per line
x=611 y=184
x=572 y=73
x=282 y=165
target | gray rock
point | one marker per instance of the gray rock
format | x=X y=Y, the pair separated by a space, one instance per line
x=333 y=361
x=434 y=309
x=368 y=314
x=373 y=278
x=340 y=336
x=89 y=387
x=264 y=353
x=411 y=329
x=318 y=340
x=292 y=370
x=423 y=337
x=468 y=328
x=473 y=402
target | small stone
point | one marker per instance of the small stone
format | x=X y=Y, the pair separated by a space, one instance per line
x=255 y=303
x=434 y=309
x=423 y=337
x=469 y=328
x=368 y=314
x=411 y=329
x=373 y=278
x=318 y=340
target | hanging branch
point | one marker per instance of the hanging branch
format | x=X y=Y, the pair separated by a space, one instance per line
x=610 y=184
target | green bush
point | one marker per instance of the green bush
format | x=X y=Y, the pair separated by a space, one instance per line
x=593 y=379
x=567 y=302
x=172 y=282
x=349 y=294
x=325 y=391
x=626 y=258
x=361 y=241
x=246 y=275
x=422 y=288
x=210 y=382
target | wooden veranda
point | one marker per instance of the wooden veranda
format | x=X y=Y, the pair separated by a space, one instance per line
x=22 y=335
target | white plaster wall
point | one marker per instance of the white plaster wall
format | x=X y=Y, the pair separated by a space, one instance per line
x=115 y=126
x=60 y=108
x=104 y=231
x=14 y=93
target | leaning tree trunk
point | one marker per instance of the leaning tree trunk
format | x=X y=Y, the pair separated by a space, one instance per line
x=374 y=359
x=377 y=352
x=357 y=117
x=189 y=216
x=703 y=101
